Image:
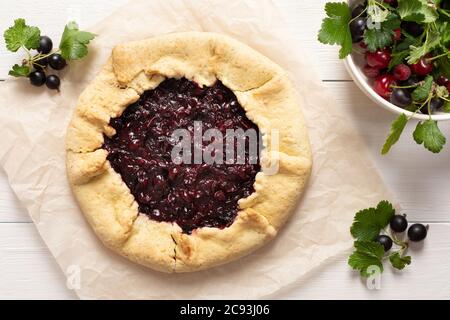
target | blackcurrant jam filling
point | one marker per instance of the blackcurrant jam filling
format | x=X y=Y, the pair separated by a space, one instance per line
x=192 y=195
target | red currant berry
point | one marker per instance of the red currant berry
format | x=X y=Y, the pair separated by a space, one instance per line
x=383 y=85
x=423 y=67
x=379 y=59
x=402 y=72
x=371 y=72
x=397 y=34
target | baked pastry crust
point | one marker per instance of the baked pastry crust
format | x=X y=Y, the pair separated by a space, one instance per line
x=269 y=99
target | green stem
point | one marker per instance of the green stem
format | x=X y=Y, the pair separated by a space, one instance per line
x=406 y=87
x=28 y=54
x=359 y=15
x=429 y=108
x=41 y=56
x=444 y=12
x=447 y=54
x=430 y=96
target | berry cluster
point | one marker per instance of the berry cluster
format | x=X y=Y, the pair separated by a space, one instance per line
x=398 y=223
x=396 y=80
x=374 y=241
x=72 y=46
x=398 y=84
x=45 y=59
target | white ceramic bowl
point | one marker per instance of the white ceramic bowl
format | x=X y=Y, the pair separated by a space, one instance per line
x=354 y=64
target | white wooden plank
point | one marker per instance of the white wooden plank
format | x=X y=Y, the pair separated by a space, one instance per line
x=303 y=18
x=29 y=271
x=10 y=208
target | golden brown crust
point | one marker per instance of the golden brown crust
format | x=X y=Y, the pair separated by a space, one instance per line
x=263 y=90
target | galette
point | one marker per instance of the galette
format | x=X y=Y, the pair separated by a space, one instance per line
x=188 y=151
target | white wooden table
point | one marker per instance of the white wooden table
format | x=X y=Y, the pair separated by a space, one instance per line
x=419 y=179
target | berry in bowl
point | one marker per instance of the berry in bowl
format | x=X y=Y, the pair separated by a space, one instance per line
x=398 y=53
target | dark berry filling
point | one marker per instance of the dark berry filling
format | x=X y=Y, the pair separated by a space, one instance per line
x=192 y=195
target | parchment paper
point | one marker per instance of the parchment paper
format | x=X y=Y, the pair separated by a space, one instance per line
x=33 y=123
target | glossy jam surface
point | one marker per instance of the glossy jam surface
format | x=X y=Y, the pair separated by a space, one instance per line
x=192 y=195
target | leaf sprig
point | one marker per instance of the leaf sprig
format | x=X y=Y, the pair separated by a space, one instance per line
x=367 y=225
x=73 y=45
x=427 y=132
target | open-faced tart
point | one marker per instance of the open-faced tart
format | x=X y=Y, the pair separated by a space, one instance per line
x=182 y=217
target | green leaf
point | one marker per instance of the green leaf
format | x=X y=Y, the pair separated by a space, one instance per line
x=401 y=50
x=335 y=28
x=371 y=248
x=382 y=36
x=423 y=91
x=444 y=30
x=417 y=10
x=432 y=40
x=368 y=222
x=399 y=262
x=444 y=66
x=367 y=254
x=365 y=227
x=385 y=212
x=74 y=42
x=405 y=44
x=398 y=58
x=428 y=133
x=397 y=128
x=21 y=35
x=19 y=71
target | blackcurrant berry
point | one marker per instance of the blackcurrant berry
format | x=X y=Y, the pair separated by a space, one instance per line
x=398 y=223
x=357 y=28
x=37 y=78
x=40 y=64
x=401 y=97
x=358 y=11
x=413 y=28
x=445 y=5
x=385 y=241
x=53 y=82
x=56 y=61
x=417 y=232
x=435 y=104
x=412 y=82
x=45 y=45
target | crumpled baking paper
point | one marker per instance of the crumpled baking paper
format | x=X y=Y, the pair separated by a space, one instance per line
x=33 y=124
